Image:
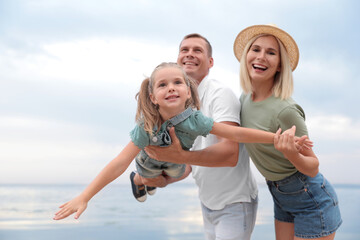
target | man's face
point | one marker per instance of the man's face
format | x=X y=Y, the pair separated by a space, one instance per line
x=194 y=59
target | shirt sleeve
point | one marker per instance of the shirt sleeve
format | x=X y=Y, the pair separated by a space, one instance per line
x=201 y=125
x=140 y=137
x=290 y=116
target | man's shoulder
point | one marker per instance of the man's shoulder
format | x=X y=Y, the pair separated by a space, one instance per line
x=220 y=102
x=214 y=86
x=215 y=83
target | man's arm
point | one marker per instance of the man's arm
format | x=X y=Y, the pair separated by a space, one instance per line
x=164 y=180
x=222 y=154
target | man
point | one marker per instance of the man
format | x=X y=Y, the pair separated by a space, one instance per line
x=227 y=188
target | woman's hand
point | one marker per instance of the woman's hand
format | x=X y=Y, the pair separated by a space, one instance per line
x=302 y=158
x=77 y=205
x=286 y=144
x=288 y=138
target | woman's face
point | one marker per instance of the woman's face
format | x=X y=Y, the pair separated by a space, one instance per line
x=263 y=59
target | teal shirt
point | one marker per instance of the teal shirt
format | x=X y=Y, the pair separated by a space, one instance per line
x=188 y=126
x=270 y=115
x=187 y=131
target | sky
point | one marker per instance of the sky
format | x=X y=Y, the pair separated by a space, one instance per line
x=70 y=69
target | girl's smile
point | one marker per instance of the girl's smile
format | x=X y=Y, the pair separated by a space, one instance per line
x=172 y=97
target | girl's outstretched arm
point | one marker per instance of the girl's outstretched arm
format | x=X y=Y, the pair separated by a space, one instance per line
x=241 y=134
x=111 y=171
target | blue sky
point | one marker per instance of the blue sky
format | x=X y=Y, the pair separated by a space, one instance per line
x=69 y=71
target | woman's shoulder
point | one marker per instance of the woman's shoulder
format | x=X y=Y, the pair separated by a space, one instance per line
x=289 y=107
x=284 y=103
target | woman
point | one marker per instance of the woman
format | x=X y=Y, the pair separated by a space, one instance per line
x=305 y=204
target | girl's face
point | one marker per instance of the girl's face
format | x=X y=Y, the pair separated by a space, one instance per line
x=170 y=92
x=263 y=59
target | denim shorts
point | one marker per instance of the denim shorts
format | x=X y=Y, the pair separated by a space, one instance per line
x=151 y=168
x=310 y=203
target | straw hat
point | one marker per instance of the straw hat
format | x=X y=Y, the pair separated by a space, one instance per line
x=248 y=33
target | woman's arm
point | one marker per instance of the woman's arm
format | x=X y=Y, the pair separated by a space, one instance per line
x=304 y=160
x=111 y=171
x=241 y=134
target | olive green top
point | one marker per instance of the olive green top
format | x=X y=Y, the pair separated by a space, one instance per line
x=270 y=115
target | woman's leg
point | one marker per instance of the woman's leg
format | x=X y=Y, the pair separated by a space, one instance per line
x=284 y=230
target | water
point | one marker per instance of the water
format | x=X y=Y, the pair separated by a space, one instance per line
x=26 y=212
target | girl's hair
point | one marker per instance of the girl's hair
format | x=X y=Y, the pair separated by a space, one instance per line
x=283 y=82
x=147 y=112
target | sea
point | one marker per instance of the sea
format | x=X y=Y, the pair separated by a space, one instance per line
x=173 y=213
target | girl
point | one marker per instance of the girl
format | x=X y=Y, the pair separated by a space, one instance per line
x=172 y=98
x=305 y=204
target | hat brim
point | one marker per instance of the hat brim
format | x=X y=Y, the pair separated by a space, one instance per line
x=248 y=33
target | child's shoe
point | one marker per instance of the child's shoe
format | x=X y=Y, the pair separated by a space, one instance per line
x=150 y=190
x=139 y=191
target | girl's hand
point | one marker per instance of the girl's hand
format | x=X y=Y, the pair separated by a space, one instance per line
x=76 y=205
x=303 y=143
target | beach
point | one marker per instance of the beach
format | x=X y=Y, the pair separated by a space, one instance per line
x=26 y=212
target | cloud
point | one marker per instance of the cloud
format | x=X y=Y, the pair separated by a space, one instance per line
x=102 y=61
x=329 y=72
x=334 y=127
x=80 y=80
x=336 y=143
x=33 y=150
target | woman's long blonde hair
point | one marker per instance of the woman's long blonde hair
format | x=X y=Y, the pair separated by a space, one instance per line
x=283 y=83
x=147 y=112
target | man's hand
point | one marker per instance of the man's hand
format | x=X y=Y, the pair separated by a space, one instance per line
x=173 y=153
x=163 y=180
x=159 y=181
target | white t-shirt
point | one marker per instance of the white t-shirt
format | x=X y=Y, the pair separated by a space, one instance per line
x=220 y=186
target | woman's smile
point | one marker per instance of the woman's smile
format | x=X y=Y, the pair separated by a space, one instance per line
x=263 y=59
